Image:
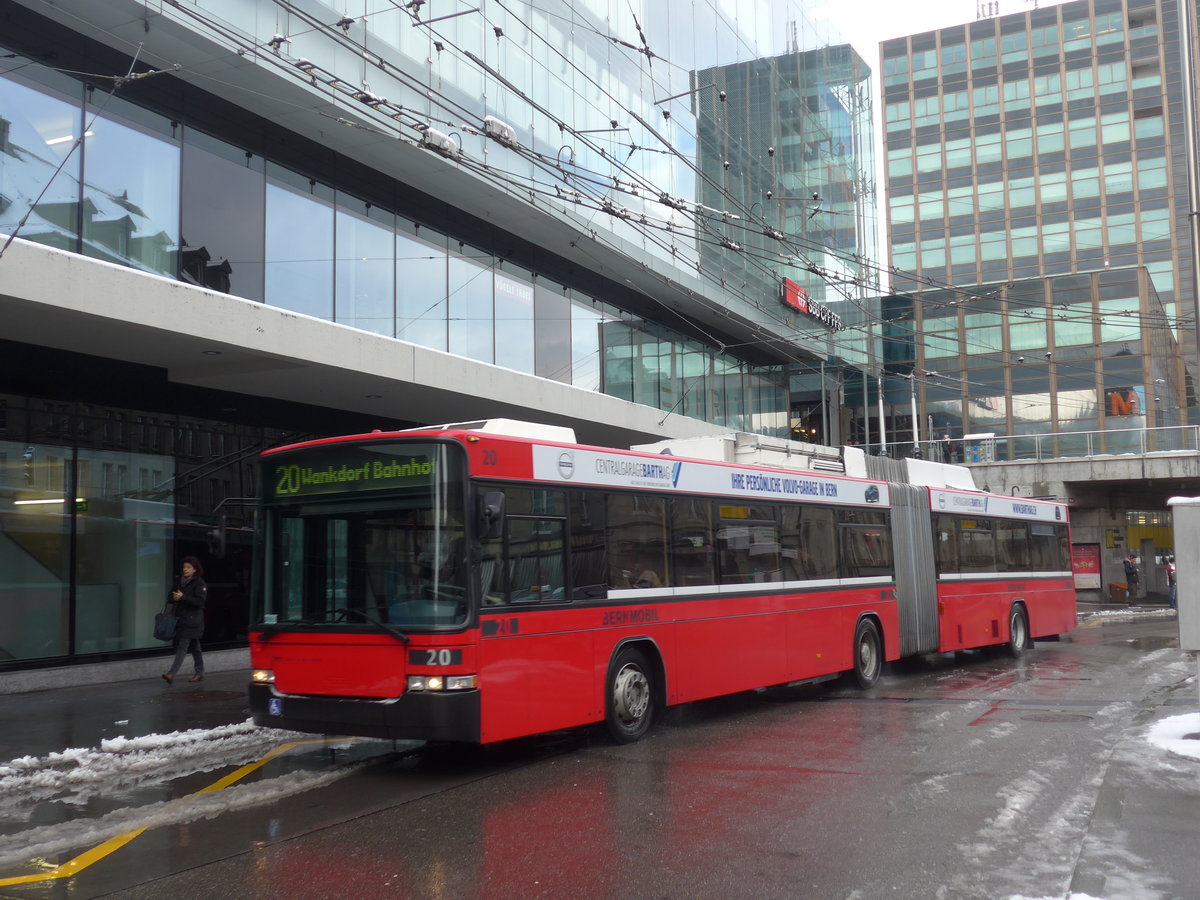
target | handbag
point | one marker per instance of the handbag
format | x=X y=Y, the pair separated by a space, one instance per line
x=164 y=625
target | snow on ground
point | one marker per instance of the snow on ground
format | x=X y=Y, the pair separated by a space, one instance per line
x=1126 y=614
x=48 y=840
x=1171 y=735
x=75 y=775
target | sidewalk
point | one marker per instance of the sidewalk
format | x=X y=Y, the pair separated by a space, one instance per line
x=124 y=670
x=39 y=722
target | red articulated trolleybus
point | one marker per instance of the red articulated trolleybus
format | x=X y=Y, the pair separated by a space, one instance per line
x=484 y=581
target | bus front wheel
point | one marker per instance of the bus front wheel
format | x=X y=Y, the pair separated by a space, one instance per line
x=1018 y=632
x=868 y=654
x=630 y=697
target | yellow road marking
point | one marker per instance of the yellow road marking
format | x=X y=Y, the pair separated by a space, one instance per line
x=97 y=853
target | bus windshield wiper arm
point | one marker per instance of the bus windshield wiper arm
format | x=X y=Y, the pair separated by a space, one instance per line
x=288 y=626
x=395 y=632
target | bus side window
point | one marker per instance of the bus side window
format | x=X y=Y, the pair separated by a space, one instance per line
x=493 y=587
x=637 y=541
x=589 y=559
x=977 y=545
x=815 y=545
x=1044 y=546
x=692 y=542
x=866 y=543
x=1012 y=546
x=536 y=550
x=945 y=544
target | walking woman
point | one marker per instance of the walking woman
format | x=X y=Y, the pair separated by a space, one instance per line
x=189 y=596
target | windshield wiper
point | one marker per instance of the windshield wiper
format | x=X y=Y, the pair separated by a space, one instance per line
x=394 y=632
x=281 y=627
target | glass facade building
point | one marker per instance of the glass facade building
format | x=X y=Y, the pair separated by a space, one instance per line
x=1029 y=146
x=152 y=193
x=1062 y=355
x=790 y=141
x=520 y=185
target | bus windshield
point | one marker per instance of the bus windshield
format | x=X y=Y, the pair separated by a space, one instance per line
x=355 y=532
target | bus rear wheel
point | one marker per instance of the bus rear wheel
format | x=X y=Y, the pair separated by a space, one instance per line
x=868 y=654
x=630 y=701
x=1018 y=632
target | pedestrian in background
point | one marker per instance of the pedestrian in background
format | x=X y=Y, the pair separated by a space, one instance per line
x=1132 y=577
x=1171 y=586
x=189 y=596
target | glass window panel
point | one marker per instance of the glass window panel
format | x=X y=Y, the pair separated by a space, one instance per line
x=131 y=196
x=1027 y=336
x=536 y=550
x=299 y=267
x=1083 y=136
x=940 y=346
x=589 y=562
x=1082 y=186
x=421 y=272
x=1012 y=546
x=471 y=327
x=35 y=551
x=983 y=340
x=993 y=245
x=1117 y=131
x=692 y=559
x=959 y=157
x=637 y=541
x=41 y=133
x=945 y=531
x=1156 y=224
x=126 y=549
x=1073 y=325
x=976 y=546
x=1152 y=173
x=585 y=346
x=866 y=543
x=1088 y=234
x=552 y=331
x=902 y=210
x=365 y=273
x=514 y=322
x=220 y=250
x=1119 y=320
x=1149 y=127
x=748 y=549
x=1050 y=138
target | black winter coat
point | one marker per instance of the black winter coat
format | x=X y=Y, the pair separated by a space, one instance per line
x=190 y=607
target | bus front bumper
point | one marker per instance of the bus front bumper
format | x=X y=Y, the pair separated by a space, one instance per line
x=419 y=716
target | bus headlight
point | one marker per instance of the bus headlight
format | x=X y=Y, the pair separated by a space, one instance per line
x=262 y=676
x=442 y=682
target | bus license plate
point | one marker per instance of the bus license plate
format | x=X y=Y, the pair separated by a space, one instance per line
x=275 y=706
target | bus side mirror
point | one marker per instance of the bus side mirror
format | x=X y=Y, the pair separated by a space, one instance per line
x=491 y=515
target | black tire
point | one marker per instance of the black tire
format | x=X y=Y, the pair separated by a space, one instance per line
x=630 y=704
x=1018 y=632
x=868 y=654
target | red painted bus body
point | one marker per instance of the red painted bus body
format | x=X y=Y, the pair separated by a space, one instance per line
x=459 y=585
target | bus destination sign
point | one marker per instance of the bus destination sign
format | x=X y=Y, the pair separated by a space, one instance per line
x=337 y=471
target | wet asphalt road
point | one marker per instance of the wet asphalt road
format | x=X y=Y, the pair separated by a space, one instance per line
x=960 y=777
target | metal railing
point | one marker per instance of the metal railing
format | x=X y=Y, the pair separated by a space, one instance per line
x=1055 y=445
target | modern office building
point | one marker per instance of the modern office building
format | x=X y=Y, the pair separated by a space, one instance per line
x=1046 y=356
x=242 y=223
x=789 y=138
x=1038 y=223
